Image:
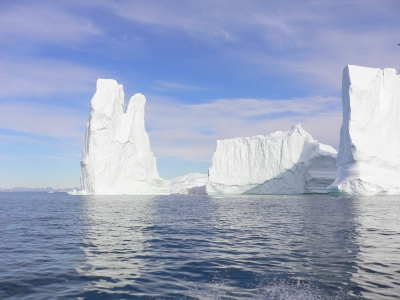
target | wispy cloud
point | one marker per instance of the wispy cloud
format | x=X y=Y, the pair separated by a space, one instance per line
x=44 y=77
x=43 y=23
x=308 y=41
x=42 y=120
x=190 y=131
x=176 y=86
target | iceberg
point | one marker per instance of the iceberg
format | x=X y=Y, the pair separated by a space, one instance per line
x=193 y=183
x=116 y=157
x=289 y=162
x=369 y=152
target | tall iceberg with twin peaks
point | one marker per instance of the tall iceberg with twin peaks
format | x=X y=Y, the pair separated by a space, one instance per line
x=116 y=157
x=290 y=162
x=369 y=152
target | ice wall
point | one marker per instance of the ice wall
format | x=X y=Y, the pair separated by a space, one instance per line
x=369 y=153
x=289 y=162
x=116 y=156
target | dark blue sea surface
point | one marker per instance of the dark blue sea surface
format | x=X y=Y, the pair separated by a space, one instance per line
x=55 y=246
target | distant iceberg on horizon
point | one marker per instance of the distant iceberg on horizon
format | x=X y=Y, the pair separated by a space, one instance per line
x=290 y=162
x=369 y=152
x=116 y=157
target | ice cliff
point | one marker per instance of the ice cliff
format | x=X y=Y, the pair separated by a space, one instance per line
x=116 y=157
x=187 y=184
x=369 y=152
x=289 y=162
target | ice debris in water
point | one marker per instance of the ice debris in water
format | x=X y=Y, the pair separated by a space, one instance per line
x=189 y=183
x=117 y=158
x=369 y=152
x=289 y=162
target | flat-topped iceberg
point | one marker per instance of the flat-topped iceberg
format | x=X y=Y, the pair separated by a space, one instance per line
x=193 y=183
x=369 y=152
x=289 y=162
x=117 y=158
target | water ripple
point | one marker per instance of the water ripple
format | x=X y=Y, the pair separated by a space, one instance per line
x=199 y=247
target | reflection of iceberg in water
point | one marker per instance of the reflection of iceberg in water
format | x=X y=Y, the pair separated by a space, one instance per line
x=299 y=240
x=378 y=259
x=276 y=247
x=114 y=240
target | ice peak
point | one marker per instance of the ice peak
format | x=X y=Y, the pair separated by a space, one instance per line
x=117 y=158
x=296 y=129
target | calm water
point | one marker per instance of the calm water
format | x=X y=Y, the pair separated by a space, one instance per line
x=55 y=246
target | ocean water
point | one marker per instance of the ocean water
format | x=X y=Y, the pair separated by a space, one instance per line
x=55 y=246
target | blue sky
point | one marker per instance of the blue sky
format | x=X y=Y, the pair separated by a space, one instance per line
x=209 y=70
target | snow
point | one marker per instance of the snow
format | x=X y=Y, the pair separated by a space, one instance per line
x=116 y=157
x=188 y=184
x=75 y=192
x=289 y=162
x=369 y=153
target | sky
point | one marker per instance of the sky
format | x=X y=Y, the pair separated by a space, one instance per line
x=209 y=69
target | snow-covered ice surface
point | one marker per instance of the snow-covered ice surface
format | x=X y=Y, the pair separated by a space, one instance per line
x=190 y=183
x=75 y=192
x=289 y=162
x=369 y=153
x=116 y=157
